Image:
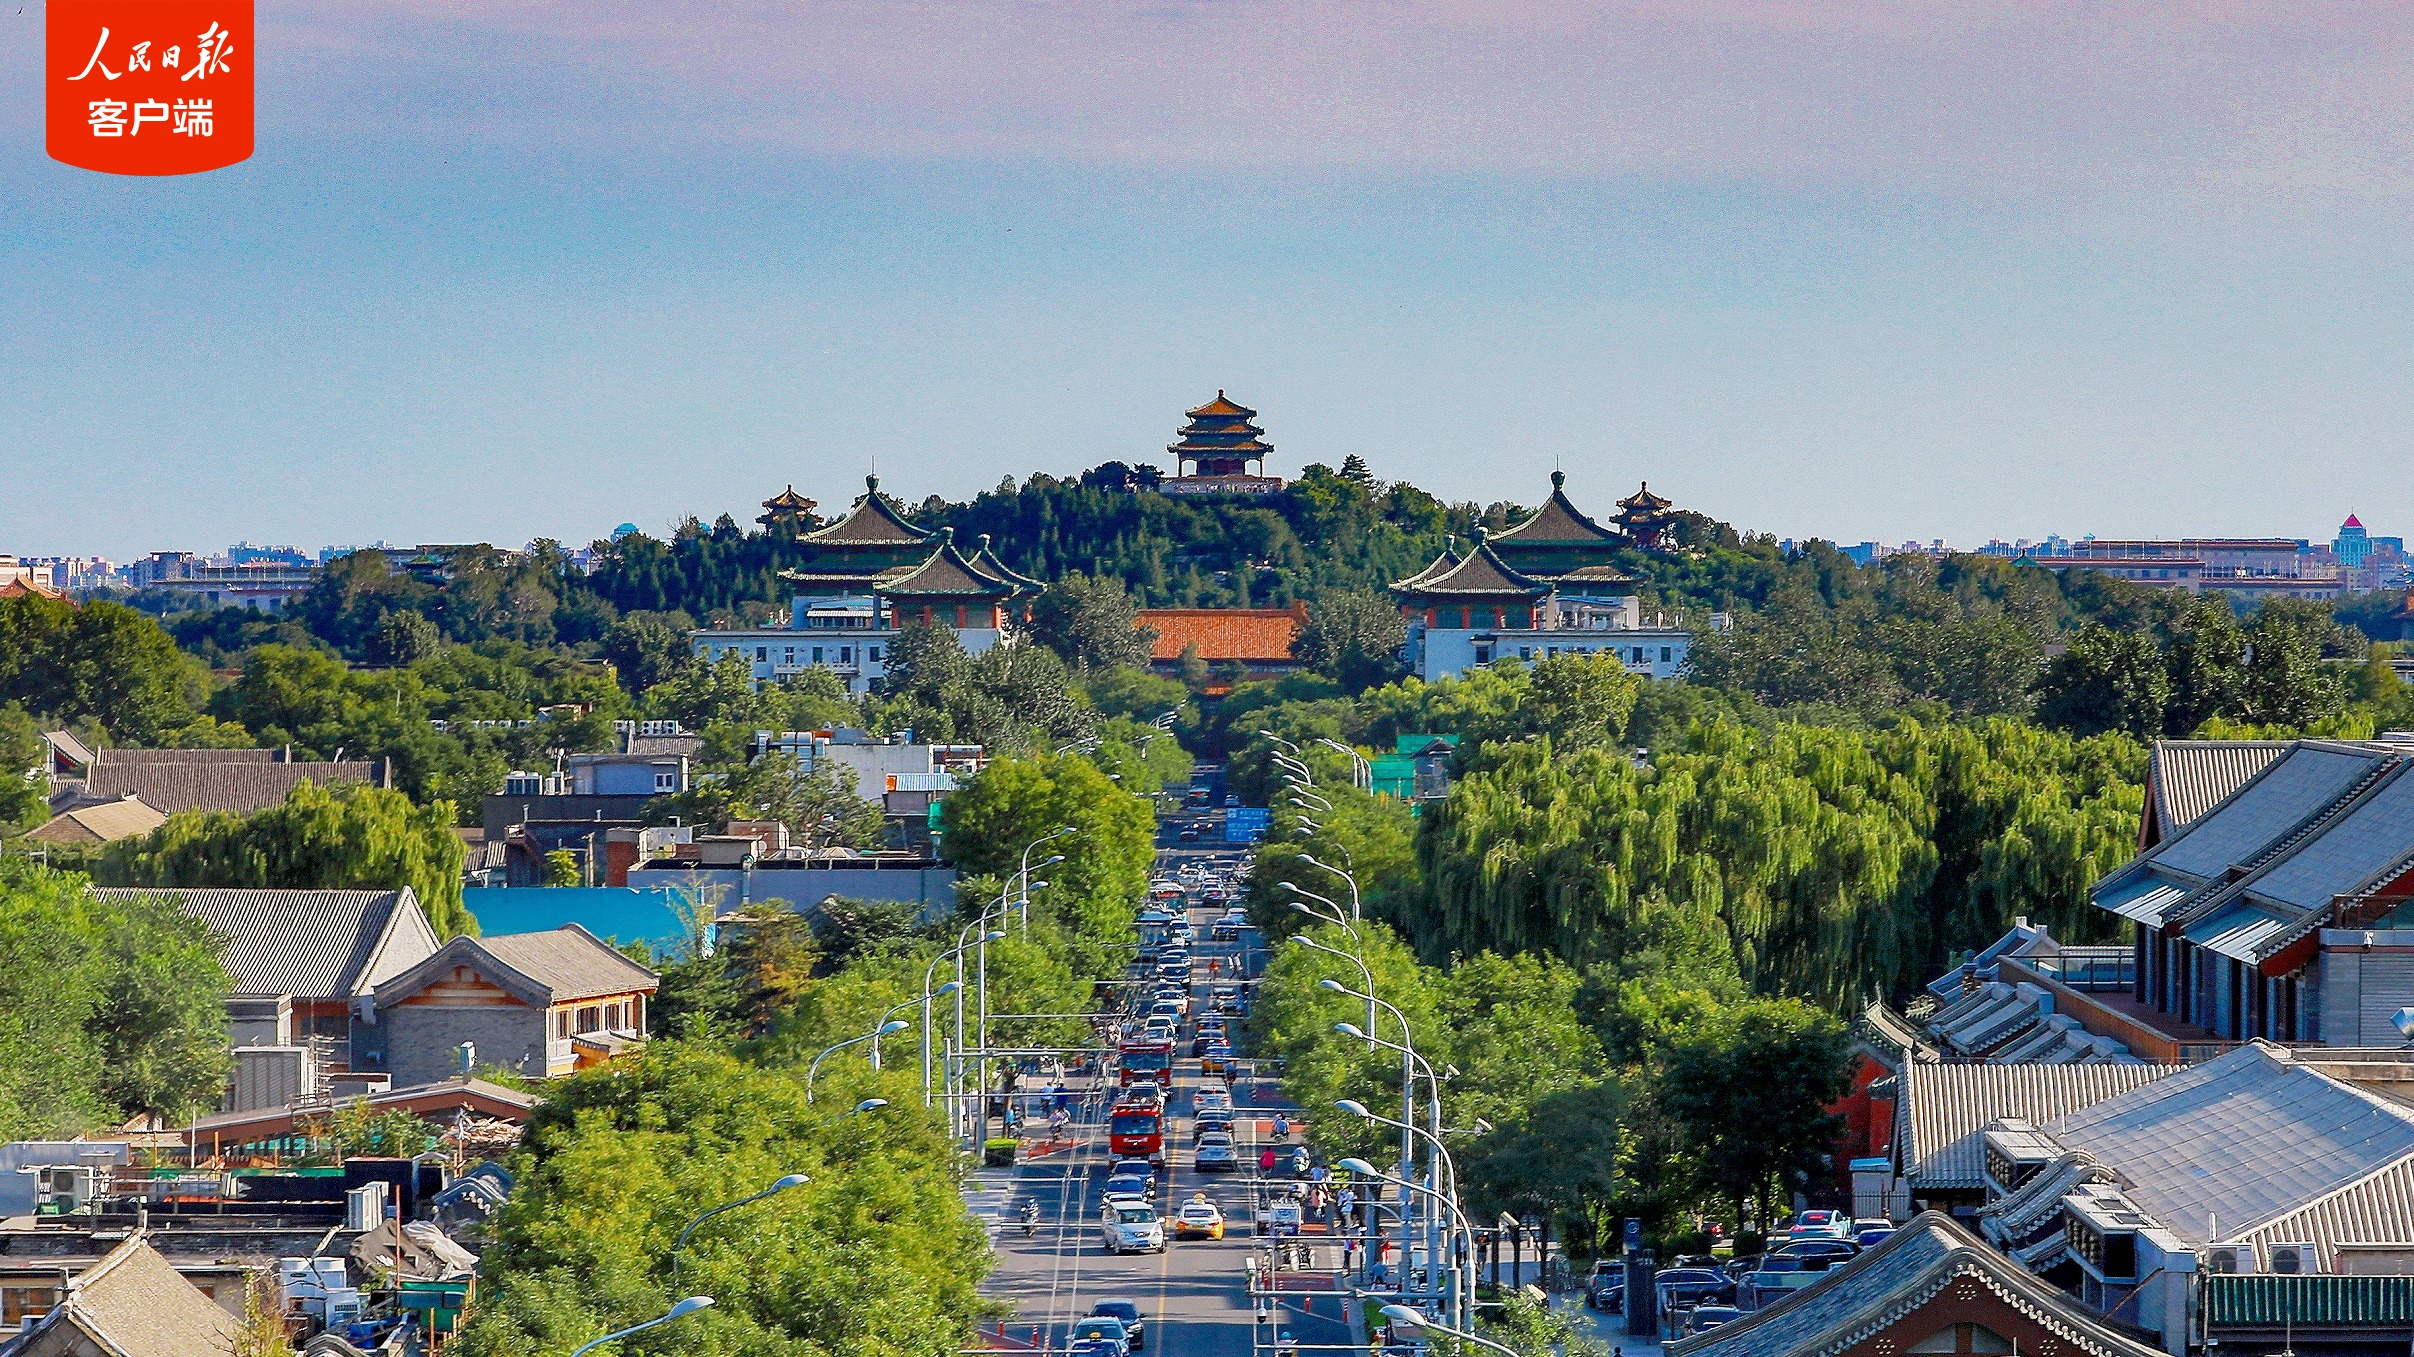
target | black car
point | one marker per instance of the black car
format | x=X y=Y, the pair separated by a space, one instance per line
x=1607 y=1294
x=1684 y=1287
x=1129 y=1313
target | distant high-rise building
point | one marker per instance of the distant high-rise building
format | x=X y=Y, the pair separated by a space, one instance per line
x=2352 y=544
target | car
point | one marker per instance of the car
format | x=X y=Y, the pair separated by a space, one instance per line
x=1158 y=1028
x=1128 y=1311
x=1820 y=1225
x=1215 y=1154
x=1102 y=1329
x=1809 y=1255
x=1210 y=1123
x=1218 y=1058
x=1130 y=1227
x=1211 y=1099
x=1607 y=1293
x=1141 y=1186
x=1680 y=1287
x=1870 y=1236
x=1707 y=1317
x=1132 y=1165
x=1189 y=834
x=1198 y=1219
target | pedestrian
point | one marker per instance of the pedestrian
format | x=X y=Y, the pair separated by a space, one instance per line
x=1265 y=1160
x=1282 y=1127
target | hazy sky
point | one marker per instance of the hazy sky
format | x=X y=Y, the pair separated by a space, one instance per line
x=1906 y=270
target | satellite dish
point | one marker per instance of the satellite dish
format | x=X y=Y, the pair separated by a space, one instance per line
x=2403 y=1021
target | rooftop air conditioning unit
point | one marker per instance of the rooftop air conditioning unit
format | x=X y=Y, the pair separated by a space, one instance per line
x=2230 y=1258
x=2288 y=1260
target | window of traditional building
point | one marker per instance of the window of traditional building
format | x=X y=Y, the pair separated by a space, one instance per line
x=590 y=1018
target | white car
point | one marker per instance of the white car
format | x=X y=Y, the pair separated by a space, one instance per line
x=1131 y=1226
x=1211 y=1099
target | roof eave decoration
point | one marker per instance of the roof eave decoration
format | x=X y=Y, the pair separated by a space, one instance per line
x=947 y=574
x=889 y=527
x=1555 y=517
x=1468 y=578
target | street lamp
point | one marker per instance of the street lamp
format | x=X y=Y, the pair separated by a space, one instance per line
x=680 y=1311
x=1411 y=1318
x=874 y=1036
x=1359 y=768
x=1337 y=987
x=929 y=994
x=1345 y=876
x=1333 y=918
x=867 y=1105
x=792 y=1180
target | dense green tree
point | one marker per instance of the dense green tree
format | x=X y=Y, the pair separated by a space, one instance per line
x=618 y=1159
x=821 y=807
x=647 y=649
x=1091 y=622
x=402 y=638
x=2107 y=680
x=1353 y=637
x=1135 y=694
x=24 y=790
x=347 y=838
x=1749 y=1090
x=98 y=661
x=107 y=1008
x=1009 y=697
x=1094 y=892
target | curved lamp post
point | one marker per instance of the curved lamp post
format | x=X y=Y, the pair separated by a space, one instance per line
x=792 y=1180
x=1345 y=876
x=680 y=1311
x=874 y=1035
x=1415 y=1319
x=1336 y=917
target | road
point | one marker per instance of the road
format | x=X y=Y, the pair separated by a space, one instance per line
x=1193 y=1296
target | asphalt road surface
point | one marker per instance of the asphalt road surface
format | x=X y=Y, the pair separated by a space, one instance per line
x=1193 y=1296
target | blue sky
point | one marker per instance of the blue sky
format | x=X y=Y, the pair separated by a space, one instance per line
x=1844 y=269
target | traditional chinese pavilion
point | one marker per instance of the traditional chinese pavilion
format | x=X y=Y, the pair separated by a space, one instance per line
x=1545 y=586
x=788 y=509
x=1216 y=450
x=863 y=577
x=1645 y=517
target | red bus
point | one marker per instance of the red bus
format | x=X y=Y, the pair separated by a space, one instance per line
x=1145 y=1061
x=1137 y=1131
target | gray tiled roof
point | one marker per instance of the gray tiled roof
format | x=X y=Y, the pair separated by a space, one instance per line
x=239 y=786
x=2190 y=777
x=2377 y=833
x=1946 y=1109
x=2237 y=1141
x=135 y=1304
x=309 y=944
x=570 y=961
x=2308 y=778
x=1851 y=1303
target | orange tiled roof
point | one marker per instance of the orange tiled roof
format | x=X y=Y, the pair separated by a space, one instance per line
x=17 y=588
x=1244 y=634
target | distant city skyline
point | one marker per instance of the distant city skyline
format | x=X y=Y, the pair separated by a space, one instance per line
x=1850 y=270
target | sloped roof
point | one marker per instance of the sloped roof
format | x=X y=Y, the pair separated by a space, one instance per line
x=870 y=523
x=309 y=944
x=1557 y=523
x=65 y=746
x=2373 y=837
x=2186 y=778
x=1945 y=1109
x=1222 y=407
x=563 y=964
x=986 y=560
x=133 y=1303
x=2247 y=1137
x=105 y=822
x=1851 y=1303
x=1483 y=574
x=241 y=786
x=125 y=755
x=2302 y=782
x=1249 y=635
x=947 y=575
x=1442 y=564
